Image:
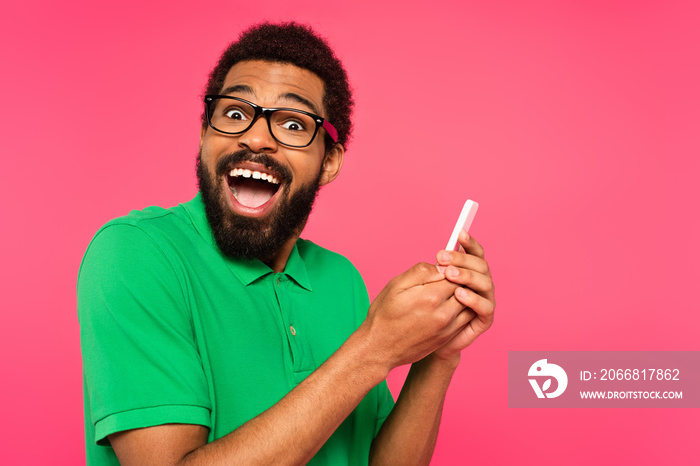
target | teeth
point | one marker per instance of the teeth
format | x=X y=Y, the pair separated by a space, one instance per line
x=246 y=173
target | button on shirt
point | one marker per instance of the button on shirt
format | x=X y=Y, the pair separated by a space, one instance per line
x=174 y=332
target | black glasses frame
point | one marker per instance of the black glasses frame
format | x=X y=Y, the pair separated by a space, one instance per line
x=267 y=112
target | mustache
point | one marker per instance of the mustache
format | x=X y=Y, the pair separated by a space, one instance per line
x=245 y=155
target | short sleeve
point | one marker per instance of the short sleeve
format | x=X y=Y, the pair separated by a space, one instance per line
x=140 y=359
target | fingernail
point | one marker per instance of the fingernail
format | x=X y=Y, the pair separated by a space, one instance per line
x=461 y=293
x=444 y=256
x=441 y=269
x=466 y=235
x=452 y=271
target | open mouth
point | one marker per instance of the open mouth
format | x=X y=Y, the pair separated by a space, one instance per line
x=252 y=188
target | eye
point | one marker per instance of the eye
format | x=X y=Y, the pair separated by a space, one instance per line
x=235 y=113
x=293 y=125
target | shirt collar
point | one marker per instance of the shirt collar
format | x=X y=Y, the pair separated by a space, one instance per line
x=247 y=271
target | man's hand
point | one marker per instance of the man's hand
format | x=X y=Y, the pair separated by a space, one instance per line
x=470 y=270
x=416 y=313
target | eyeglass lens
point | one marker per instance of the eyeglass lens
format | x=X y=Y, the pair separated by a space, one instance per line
x=287 y=126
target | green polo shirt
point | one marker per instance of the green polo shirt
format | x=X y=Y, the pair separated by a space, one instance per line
x=174 y=332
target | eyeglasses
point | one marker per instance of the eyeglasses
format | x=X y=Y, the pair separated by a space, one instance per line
x=289 y=126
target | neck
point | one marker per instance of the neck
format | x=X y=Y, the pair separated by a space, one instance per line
x=279 y=261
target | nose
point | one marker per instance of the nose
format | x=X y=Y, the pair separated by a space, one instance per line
x=258 y=138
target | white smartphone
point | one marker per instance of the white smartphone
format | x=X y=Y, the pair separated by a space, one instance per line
x=463 y=223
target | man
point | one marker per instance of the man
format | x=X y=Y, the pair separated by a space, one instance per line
x=212 y=334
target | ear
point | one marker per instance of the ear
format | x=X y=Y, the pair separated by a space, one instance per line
x=332 y=162
x=201 y=137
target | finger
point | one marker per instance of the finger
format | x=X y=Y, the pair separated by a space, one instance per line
x=484 y=308
x=461 y=259
x=461 y=322
x=462 y=319
x=482 y=284
x=453 y=316
x=420 y=274
x=441 y=295
x=470 y=245
x=466 y=335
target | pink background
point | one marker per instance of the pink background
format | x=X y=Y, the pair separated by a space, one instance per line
x=573 y=123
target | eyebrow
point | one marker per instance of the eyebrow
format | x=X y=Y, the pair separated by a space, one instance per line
x=239 y=88
x=301 y=100
x=244 y=89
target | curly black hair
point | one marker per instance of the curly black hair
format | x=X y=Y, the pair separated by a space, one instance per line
x=298 y=45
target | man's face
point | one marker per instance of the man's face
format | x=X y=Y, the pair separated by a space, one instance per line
x=257 y=192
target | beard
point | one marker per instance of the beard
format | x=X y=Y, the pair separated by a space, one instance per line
x=242 y=237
